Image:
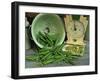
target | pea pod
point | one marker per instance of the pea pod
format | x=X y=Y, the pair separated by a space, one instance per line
x=44 y=52
x=31 y=58
x=48 y=61
x=50 y=41
x=47 y=55
x=58 y=60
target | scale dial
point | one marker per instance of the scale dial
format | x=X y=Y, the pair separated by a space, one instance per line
x=75 y=29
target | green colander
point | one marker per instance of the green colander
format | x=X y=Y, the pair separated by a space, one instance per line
x=53 y=23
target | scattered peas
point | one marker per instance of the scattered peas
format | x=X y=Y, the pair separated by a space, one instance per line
x=45 y=55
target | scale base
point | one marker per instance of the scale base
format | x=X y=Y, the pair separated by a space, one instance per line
x=74 y=49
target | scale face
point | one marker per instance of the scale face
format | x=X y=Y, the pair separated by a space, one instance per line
x=75 y=29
